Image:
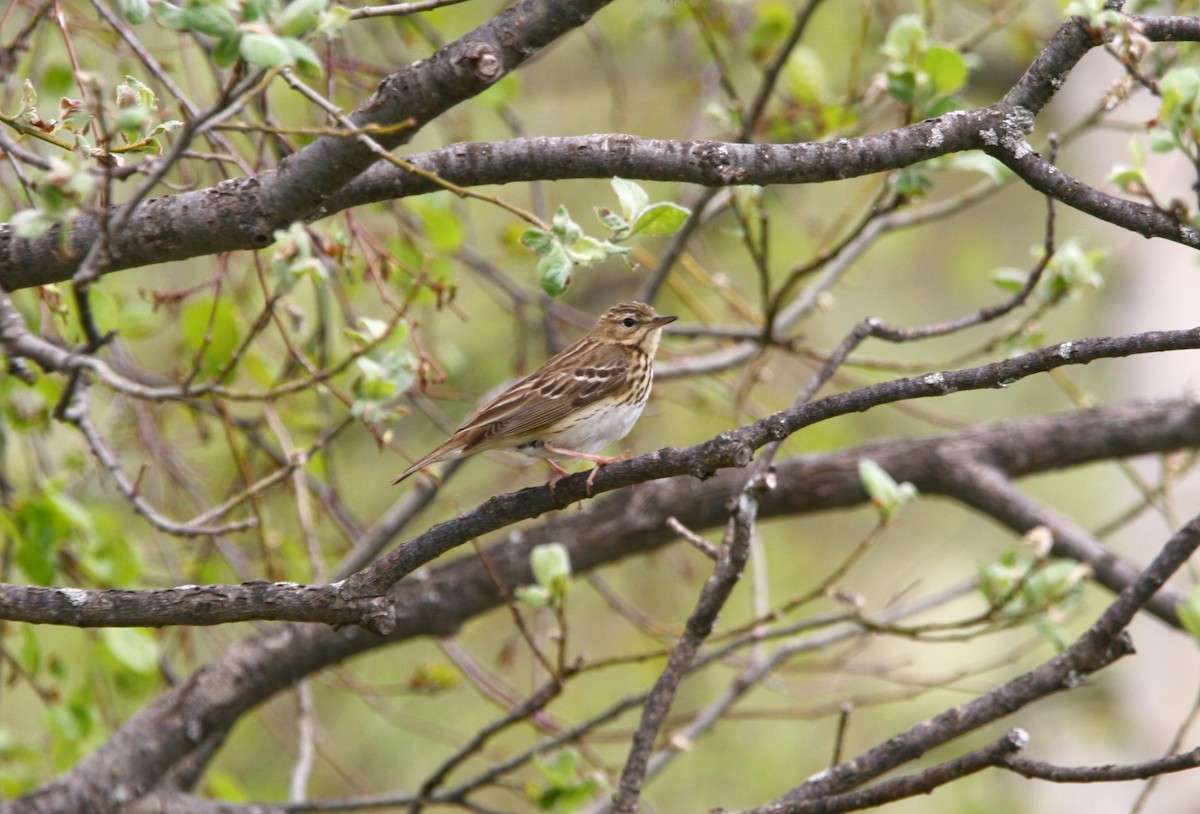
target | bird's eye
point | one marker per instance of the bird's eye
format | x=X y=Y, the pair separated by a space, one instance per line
x=629 y=322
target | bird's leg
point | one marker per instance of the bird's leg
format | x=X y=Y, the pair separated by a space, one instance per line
x=598 y=460
x=559 y=474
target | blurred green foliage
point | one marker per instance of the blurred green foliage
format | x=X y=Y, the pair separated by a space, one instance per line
x=350 y=345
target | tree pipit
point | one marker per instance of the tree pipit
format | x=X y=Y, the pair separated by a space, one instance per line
x=577 y=403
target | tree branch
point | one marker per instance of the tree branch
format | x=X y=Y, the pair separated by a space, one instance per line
x=316 y=181
x=244 y=213
x=736 y=447
x=628 y=523
x=1109 y=773
x=948 y=465
x=194 y=605
x=994 y=754
x=1100 y=645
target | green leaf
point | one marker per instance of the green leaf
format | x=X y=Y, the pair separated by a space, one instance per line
x=110 y=558
x=887 y=495
x=554 y=270
x=35 y=555
x=1179 y=110
x=45 y=523
x=132 y=92
x=1055 y=583
x=632 y=197
x=227 y=51
x=210 y=19
x=73 y=514
x=911 y=182
x=1162 y=140
x=981 y=162
x=259 y=11
x=902 y=86
x=335 y=18
x=105 y=311
x=264 y=50
x=442 y=224
x=1069 y=273
x=533 y=595
x=562 y=225
x=384 y=376
x=539 y=240
x=170 y=15
x=135 y=12
x=31 y=223
x=1189 y=613
x=29 y=98
x=58 y=78
x=805 y=76
x=132 y=120
x=305 y=58
x=998 y=580
x=559 y=768
x=1010 y=279
x=133 y=647
x=660 y=219
x=1129 y=179
x=880 y=486
x=941 y=106
x=588 y=250
x=772 y=22
x=372 y=329
x=551 y=565
x=906 y=40
x=222 y=341
x=611 y=220
x=72 y=721
x=946 y=68
x=299 y=17
x=564 y=790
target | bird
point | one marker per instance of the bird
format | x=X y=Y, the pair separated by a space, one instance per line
x=582 y=399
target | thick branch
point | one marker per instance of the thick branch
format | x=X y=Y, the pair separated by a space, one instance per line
x=193 y=605
x=1100 y=645
x=900 y=788
x=952 y=466
x=243 y=214
x=737 y=447
x=625 y=524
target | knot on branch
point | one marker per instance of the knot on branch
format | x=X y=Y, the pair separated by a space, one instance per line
x=727 y=449
x=1121 y=646
x=482 y=60
x=379 y=615
x=713 y=158
x=1014 y=127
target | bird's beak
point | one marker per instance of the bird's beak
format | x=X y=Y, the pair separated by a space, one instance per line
x=660 y=321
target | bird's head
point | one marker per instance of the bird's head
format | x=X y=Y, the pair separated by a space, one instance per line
x=633 y=324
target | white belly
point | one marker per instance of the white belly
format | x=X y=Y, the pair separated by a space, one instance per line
x=591 y=429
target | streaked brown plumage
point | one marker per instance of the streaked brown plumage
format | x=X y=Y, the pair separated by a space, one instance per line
x=578 y=402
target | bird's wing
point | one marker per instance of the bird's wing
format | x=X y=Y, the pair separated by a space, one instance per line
x=567 y=383
x=578 y=376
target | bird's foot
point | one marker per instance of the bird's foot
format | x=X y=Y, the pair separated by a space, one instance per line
x=603 y=462
x=598 y=460
x=559 y=474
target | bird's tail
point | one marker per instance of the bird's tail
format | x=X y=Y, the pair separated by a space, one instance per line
x=437 y=455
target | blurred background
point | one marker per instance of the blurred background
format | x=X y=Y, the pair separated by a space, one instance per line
x=459 y=304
